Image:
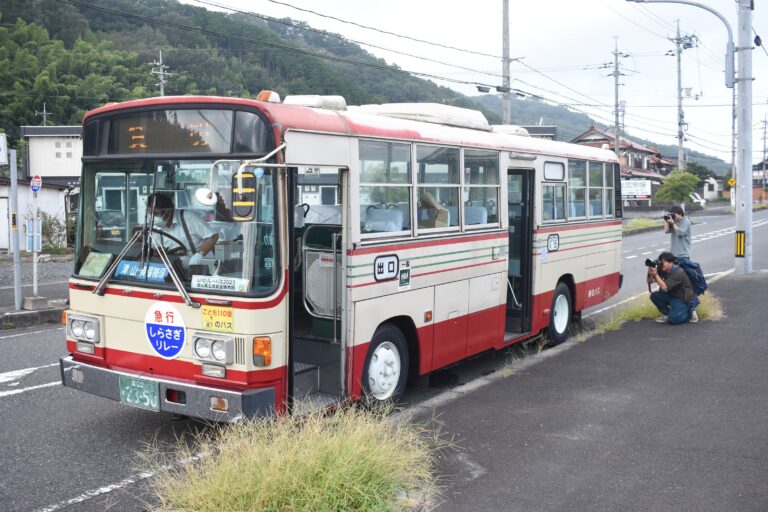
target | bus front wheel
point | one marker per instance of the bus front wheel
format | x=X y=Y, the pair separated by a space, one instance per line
x=386 y=366
x=560 y=314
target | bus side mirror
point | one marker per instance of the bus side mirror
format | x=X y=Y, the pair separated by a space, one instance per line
x=244 y=199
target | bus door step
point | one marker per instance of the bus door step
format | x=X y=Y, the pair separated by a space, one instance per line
x=314 y=402
x=306 y=379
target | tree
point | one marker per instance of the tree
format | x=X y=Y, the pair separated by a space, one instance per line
x=677 y=187
x=700 y=170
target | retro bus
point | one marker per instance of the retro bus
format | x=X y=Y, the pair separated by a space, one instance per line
x=266 y=256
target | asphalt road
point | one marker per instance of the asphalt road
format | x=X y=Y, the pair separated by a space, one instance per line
x=66 y=450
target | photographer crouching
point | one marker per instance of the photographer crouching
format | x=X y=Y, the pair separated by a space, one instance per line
x=675 y=298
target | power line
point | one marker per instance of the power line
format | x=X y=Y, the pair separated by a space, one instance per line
x=386 y=32
x=271 y=44
x=337 y=36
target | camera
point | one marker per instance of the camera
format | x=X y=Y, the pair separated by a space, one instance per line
x=667 y=217
x=652 y=263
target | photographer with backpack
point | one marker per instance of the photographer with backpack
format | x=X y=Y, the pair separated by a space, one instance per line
x=675 y=298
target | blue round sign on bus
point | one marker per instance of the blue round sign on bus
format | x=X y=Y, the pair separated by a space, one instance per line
x=165 y=329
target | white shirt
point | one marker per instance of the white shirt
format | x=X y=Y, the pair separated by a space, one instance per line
x=198 y=231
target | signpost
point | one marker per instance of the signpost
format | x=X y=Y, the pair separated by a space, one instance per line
x=732 y=184
x=35 y=185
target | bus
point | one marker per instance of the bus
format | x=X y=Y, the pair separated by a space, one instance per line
x=241 y=258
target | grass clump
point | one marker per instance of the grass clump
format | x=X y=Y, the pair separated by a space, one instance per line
x=642 y=308
x=349 y=460
x=638 y=224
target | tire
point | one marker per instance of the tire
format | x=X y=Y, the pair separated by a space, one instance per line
x=560 y=314
x=385 y=373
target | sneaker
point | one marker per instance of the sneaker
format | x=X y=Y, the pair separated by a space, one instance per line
x=694 y=318
x=662 y=319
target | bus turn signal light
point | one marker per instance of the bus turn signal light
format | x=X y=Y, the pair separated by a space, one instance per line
x=64 y=317
x=262 y=351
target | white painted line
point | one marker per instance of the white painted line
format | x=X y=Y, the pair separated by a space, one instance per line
x=630 y=257
x=647 y=252
x=19 y=374
x=28 y=333
x=4 y=394
x=30 y=284
x=138 y=477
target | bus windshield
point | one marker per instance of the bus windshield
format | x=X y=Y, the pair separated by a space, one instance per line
x=206 y=248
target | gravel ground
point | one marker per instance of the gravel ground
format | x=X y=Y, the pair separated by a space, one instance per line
x=47 y=272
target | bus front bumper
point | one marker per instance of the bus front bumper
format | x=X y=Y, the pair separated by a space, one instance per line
x=197 y=399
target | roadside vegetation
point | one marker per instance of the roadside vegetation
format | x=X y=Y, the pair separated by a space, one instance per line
x=352 y=459
x=641 y=224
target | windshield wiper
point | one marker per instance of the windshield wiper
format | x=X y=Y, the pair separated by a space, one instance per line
x=99 y=290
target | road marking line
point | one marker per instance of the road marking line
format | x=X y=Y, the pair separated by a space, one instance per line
x=28 y=333
x=138 y=477
x=648 y=252
x=630 y=257
x=4 y=394
x=18 y=374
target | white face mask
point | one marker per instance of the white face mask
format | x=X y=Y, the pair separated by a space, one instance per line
x=159 y=222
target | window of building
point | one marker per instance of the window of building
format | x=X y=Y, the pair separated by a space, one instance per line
x=69 y=154
x=577 y=187
x=438 y=182
x=481 y=187
x=69 y=143
x=385 y=188
x=58 y=144
x=58 y=154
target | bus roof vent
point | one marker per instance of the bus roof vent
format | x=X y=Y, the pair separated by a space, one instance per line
x=510 y=129
x=317 y=101
x=431 y=113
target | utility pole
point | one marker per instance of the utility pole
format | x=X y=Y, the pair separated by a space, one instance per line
x=765 y=125
x=744 y=110
x=681 y=43
x=616 y=74
x=159 y=69
x=733 y=145
x=45 y=115
x=506 y=107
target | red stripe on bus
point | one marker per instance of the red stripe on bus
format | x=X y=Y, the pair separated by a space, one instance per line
x=183 y=371
x=428 y=273
x=579 y=247
x=168 y=297
x=428 y=243
x=554 y=229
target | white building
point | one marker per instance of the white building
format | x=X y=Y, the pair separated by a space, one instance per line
x=51 y=199
x=54 y=153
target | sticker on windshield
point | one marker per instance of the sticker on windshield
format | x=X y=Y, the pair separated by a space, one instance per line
x=222 y=284
x=165 y=329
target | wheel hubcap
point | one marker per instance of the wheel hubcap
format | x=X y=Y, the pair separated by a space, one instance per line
x=384 y=371
x=561 y=313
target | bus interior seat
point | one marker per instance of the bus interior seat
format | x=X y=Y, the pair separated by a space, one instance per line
x=476 y=215
x=323 y=214
x=384 y=220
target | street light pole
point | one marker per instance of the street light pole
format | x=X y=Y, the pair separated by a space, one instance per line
x=743 y=256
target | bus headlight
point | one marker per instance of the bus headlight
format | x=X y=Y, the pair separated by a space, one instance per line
x=83 y=328
x=219 y=350
x=214 y=348
x=203 y=348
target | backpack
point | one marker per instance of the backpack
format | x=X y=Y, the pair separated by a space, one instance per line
x=695 y=275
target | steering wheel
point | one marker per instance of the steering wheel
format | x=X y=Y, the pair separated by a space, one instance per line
x=179 y=249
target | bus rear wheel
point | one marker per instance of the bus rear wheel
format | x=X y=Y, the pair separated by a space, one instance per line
x=560 y=314
x=386 y=366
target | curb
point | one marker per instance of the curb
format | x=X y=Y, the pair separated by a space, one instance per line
x=17 y=319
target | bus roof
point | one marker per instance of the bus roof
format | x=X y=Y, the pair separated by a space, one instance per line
x=366 y=122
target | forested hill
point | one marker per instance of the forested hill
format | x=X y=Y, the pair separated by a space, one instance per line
x=75 y=55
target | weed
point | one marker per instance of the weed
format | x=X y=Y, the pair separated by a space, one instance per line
x=638 y=224
x=7 y=325
x=351 y=459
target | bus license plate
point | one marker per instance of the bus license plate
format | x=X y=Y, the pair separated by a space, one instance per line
x=139 y=393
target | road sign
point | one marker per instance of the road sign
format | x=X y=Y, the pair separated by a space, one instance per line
x=731 y=182
x=3 y=149
x=36 y=183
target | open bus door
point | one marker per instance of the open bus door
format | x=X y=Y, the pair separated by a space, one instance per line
x=520 y=230
x=316 y=241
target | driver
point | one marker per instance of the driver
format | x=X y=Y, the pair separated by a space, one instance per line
x=197 y=237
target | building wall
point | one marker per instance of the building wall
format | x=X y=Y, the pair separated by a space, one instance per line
x=49 y=199
x=55 y=156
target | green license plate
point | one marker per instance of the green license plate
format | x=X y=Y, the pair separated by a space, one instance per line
x=139 y=393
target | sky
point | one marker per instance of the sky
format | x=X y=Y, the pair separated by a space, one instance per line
x=564 y=44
